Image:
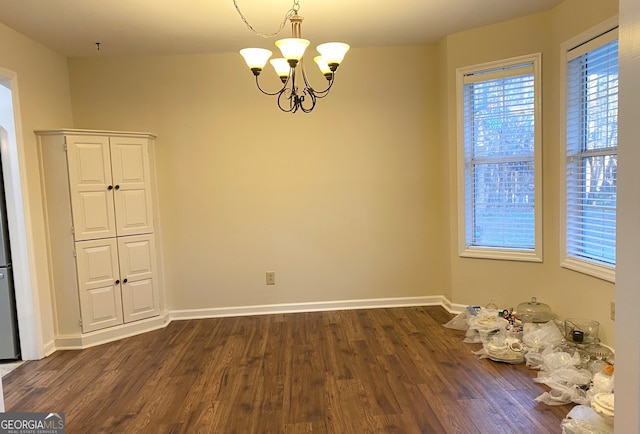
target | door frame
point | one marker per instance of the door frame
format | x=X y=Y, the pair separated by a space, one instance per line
x=20 y=230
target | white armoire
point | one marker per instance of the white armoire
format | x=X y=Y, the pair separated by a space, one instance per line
x=99 y=190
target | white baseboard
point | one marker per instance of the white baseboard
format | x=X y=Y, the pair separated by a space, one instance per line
x=218 y=312
x=456 y=308
x=87 y=340
x=49 y=348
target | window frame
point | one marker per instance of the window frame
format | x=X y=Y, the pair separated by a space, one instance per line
x=591 y=268
x=509 y=254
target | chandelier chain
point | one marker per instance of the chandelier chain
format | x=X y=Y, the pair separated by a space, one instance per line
x=291 y=12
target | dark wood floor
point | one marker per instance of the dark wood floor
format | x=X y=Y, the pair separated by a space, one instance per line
x=362 y=371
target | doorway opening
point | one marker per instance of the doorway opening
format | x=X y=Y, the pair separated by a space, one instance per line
x=26 y=296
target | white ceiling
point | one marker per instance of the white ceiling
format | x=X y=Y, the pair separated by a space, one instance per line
x=125 y=27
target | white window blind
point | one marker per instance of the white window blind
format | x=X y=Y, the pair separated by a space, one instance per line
x=499 y=115
x=592 y=147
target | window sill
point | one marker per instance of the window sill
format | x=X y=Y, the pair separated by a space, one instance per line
x=501 y=254
x=595 y=270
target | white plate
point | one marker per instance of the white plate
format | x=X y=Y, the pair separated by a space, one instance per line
x=605 y=400
x=512 y=361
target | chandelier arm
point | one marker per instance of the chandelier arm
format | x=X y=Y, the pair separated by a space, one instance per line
x=291 y=98
x=282 y=89
x=295 y=100
x=317 y=93
x=323 y=94
x=312 y=97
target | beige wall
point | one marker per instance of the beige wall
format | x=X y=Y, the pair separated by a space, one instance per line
x=342 y=204
x=357 y=200
x=570 y=294
x=44 y=102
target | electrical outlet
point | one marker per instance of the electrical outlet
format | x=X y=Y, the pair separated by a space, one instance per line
x=271 y=277
x=613 y=310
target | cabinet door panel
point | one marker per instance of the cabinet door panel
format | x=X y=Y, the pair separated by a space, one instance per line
x=98 y=271
x=95 y=208
x=89 y=168
x=130 y=168
x=138 y=266
x=133 y=212
x=139 y=299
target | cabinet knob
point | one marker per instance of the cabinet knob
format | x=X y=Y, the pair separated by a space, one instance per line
x=117 y=282
x=110 y=187
x=125 y=281
x=117 y=187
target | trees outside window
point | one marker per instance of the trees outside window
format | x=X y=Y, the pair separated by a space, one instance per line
x=499 y=163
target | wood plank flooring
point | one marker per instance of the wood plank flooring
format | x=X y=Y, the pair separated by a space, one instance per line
x=361 y=371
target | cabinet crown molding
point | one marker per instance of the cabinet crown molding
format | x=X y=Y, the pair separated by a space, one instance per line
x=75 y=131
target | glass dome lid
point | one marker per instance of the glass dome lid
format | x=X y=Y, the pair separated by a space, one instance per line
x=534 y=311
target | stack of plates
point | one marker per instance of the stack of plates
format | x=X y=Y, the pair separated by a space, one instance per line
x=602 y=404
x=511 y=353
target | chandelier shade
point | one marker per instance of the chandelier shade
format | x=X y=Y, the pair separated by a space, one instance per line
x=281 y=67
x=256 y=58
x=296 y=92
x=324 y=68
x=333 y=53
x=292 y=49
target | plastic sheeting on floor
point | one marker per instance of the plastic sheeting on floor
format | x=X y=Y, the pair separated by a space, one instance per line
x=572 y=375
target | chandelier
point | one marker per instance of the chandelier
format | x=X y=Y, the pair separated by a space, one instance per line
x=296 y=92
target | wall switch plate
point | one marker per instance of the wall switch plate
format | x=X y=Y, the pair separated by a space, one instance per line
x=271 y=277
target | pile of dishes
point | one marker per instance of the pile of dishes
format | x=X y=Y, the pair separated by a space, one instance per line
x=505 y=349
x=602 y=404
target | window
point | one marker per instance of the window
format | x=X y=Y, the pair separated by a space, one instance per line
x=591 y=155
x=499 y=160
